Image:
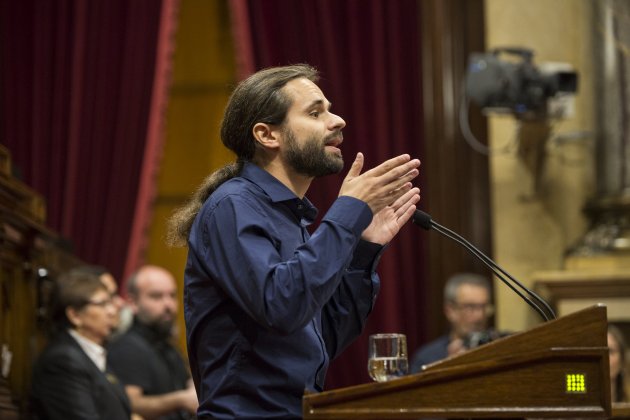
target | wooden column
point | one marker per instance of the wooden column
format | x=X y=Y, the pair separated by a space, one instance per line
x=457 y=192
x=28 y=253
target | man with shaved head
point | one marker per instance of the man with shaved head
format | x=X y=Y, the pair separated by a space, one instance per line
x=155 y=375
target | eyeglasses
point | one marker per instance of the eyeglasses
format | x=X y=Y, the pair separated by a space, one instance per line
x=101 y=303
x=469 y=308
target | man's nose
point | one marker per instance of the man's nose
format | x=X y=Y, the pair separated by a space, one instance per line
x=337 y=123
x=171 y=303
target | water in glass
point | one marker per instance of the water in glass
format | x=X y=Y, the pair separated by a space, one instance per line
x=387 y=357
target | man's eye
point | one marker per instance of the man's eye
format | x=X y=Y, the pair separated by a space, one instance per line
x=314 y=114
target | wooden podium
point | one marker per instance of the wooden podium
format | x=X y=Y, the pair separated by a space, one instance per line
x=558 y=369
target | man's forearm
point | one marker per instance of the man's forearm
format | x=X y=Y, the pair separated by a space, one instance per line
x=149 y=406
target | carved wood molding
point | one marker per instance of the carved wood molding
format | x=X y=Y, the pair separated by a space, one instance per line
x=16 y=196
x=557 y=286
x=26 y=245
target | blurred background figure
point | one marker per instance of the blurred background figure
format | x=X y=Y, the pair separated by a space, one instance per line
x=124 y=315
x=70 y=378
x=617 y=357
x=155 y=375
x=467 y=306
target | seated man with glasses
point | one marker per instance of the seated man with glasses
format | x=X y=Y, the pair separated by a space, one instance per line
x=467 y=307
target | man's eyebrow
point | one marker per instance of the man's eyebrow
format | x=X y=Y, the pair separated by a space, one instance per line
x=318 y=102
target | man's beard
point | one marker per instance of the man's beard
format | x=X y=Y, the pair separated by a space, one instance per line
x=162 y=327
x=311 y=158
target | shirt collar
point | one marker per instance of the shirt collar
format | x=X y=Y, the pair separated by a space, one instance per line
x=95 y=352
x=278 y=192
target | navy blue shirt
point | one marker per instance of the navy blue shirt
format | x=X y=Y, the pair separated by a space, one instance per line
x=267 y=305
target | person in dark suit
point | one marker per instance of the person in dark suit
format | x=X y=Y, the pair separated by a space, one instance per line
x=70 y=377
x=467 y=306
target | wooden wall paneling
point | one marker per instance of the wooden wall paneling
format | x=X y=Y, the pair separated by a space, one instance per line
x=26 y=245
x=456 y=192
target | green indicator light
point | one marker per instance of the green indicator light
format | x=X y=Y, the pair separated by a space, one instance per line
x=576 y=383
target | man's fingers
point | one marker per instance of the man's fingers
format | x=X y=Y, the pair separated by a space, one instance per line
x=402 y=173
x=388 y=165
x=407 y=199
x=405 y=211
x=357 y=166
x=383 y=185
x=398 y=193
x=407 y=176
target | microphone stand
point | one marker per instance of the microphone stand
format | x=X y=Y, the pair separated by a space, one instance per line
x=424 y=220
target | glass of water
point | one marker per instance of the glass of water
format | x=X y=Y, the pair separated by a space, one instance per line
x=387 y=356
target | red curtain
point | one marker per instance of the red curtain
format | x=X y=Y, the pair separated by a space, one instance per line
x=368 y=52
x=83 y=87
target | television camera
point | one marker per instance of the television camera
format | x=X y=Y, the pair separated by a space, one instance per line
x=516 y=85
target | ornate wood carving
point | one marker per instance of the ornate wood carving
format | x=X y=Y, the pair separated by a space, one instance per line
x=28 y=249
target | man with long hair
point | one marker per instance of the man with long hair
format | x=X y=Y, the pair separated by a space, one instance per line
x=267 y=304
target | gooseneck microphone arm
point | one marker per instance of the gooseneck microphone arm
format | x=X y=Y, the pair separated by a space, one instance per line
x=490 y=264
x=547 y=315
x=424 y=220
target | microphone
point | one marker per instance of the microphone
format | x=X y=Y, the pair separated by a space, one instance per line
x=425 y=221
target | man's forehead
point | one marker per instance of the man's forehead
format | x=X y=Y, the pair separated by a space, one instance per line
x=304 y=92
x=472 y=291
x=155 y=280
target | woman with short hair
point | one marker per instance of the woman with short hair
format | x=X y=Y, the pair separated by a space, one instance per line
x=70 y=377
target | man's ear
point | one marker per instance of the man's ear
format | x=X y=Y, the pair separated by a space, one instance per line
x=132 y=303
x=266 y=135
